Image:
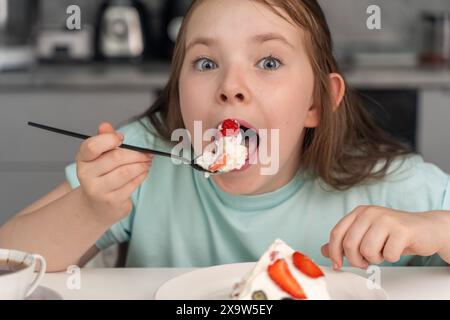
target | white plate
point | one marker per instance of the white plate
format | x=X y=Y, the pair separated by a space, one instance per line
x=215 y=283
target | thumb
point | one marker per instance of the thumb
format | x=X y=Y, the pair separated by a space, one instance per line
x=325 y=251
x=106 y=127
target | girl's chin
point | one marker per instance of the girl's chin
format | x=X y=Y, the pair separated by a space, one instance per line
x=245 y=181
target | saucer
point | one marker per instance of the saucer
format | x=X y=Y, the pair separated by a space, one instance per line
x=44 y=293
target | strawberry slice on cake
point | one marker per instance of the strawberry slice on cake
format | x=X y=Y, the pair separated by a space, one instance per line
x=282 y=273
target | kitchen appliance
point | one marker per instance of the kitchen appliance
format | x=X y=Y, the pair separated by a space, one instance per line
x=173 y=14
x=65 y=46
x=17 y=24
x=436 y=49
x=121 y=30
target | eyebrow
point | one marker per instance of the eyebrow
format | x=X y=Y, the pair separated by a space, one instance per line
x=260 y=38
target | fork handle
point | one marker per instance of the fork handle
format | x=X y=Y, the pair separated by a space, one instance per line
x=125 y=146
x=159 y=153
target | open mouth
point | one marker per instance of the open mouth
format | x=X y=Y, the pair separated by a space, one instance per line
x=233 y=148
x=250 y=137
x=249 y=134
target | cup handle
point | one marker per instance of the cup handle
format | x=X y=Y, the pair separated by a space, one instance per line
x=40 y=275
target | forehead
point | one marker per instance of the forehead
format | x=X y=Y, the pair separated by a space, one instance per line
x=239 y=20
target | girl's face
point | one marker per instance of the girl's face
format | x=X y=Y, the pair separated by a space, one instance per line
x=245 y=62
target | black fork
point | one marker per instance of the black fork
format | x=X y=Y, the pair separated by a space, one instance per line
x=192 y=163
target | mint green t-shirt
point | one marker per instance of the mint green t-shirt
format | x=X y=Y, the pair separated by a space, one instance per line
x=181 y=219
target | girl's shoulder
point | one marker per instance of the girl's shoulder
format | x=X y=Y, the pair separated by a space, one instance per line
x=414 y=183
x=414 y=167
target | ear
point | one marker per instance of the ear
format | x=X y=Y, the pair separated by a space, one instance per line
x=337 y=86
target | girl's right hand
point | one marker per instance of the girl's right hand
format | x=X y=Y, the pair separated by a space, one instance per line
x=109 y=175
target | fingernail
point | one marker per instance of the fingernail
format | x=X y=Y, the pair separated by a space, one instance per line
x=335 y=266
x=121 y=135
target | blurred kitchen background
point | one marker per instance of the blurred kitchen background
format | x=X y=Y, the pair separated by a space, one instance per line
x=116 y=64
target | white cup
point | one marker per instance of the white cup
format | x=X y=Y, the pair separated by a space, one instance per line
x=20 y=284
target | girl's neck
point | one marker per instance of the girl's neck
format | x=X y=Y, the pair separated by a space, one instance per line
x=284 y=175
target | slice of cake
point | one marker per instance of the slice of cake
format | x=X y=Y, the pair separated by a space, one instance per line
x=228 y=152
x=282 y=273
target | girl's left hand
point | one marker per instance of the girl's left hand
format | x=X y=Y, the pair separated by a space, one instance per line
x=372 y=234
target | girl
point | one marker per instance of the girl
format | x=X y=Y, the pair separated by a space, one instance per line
x=344 y=188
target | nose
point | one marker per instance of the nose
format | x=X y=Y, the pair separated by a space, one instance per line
x=233 y=91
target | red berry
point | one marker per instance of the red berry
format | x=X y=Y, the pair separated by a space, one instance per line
x=229 y=127
x=280 y=274
x=306 y=265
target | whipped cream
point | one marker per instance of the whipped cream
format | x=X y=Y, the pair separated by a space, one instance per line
x=257 y=284
x=225 y=154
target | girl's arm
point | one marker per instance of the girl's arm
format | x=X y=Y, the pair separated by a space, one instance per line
x=60 y=226
x=373 y=234
x=64 y=225
x=63 y=189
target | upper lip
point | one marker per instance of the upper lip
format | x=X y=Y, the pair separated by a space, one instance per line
x=243 y=123
x=247 y=126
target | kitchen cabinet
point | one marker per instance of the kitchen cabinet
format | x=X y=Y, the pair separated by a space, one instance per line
x=32 y=161
x=434 y=127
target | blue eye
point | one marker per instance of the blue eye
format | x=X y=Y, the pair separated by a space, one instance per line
x=270 y=63
x=204 y=64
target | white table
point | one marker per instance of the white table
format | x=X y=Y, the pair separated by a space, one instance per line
x=130 y=283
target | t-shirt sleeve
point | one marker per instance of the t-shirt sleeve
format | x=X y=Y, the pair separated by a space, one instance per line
x=120 y=232
x=417 y=186
x=446 y=198
x=71 y=175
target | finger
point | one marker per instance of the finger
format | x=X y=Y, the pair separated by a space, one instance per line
x=127 y=190
x=121 y=176
x=353 y=238
x=95 y=146
x=335 y=248
x=113 y=159
x=394 y=247
x=373 y=243
x=325 y=250
x=105 y=127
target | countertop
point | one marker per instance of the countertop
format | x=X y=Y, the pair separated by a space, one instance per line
x=139 y=77
x=142 y=283
x=154 y=76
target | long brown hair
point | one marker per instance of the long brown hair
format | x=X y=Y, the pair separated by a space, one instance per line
x=345 y=148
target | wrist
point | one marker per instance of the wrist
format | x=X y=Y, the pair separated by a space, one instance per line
x=91 y=213
x=442 y=223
